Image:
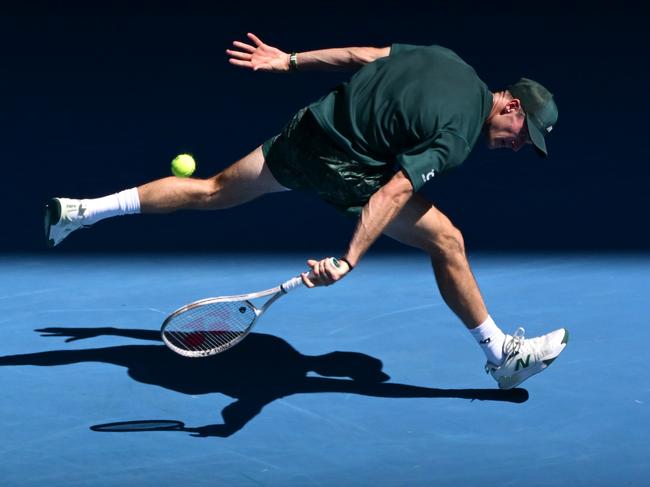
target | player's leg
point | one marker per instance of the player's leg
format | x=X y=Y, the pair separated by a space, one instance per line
x=423 y=226
x=243 y=181
x=510 y=359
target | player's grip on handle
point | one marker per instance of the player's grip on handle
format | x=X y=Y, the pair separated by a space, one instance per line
x=295 y=282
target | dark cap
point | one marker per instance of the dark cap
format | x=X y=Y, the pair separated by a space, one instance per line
x=541 y=111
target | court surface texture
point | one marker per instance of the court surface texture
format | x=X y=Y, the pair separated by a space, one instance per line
x=371 y=381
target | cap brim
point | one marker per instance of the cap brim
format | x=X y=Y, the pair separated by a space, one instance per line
x=537 y=138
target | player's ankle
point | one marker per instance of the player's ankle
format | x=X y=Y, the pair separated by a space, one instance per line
x=490 y=338
x=123 y=203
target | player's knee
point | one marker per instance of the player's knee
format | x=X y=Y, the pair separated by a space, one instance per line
x=211 y=189
x=448 y=244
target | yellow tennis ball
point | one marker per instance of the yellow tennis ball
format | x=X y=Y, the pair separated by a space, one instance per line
x=183 y=166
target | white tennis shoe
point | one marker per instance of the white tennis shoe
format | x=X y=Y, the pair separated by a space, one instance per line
x=526 y=357
x=62 y=217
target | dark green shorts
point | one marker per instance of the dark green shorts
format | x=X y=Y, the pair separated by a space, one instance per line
x=302 y=156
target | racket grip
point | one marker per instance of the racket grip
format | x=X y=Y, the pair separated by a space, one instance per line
x=291 y=284
x=295 y=282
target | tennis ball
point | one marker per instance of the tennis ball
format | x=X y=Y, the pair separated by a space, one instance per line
x=183 y=166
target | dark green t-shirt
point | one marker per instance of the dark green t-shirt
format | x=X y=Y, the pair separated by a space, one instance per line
x=420 y=108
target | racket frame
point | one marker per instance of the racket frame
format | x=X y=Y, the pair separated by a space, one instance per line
x=276 y=292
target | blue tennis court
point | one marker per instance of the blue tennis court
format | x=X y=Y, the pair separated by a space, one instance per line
x=369 y=382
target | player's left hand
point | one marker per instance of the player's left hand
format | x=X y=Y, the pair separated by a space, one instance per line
x=258 y=56
x=325 y=272
x=75 y=334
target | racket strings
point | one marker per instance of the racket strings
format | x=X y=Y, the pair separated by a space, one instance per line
x=209 y=327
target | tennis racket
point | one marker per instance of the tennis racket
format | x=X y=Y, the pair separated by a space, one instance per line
x=210 y=326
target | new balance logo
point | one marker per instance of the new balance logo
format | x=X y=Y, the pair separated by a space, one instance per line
x=521 y=364
x=486 y=341
x=429 y=175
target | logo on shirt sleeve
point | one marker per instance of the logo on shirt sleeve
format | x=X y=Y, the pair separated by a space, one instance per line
x=429 y=175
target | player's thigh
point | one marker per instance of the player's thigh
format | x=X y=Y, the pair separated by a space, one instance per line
x=250 y=175
x=422 y=225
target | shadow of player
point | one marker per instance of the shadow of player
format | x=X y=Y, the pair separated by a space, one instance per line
x=256 y=372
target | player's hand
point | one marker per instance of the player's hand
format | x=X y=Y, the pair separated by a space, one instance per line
x=325 y=272
x=259 y=56
x=74 y=334
x=218 y=430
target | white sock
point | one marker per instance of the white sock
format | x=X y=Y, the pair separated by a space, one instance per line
x=490 y=338
x=122 y=203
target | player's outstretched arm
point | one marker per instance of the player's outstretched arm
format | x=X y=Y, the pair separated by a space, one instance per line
x=381 y=209
x=259 y=56
x=74 y=334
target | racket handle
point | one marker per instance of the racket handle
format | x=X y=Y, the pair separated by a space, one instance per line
x=291 y=284
x=295 y=282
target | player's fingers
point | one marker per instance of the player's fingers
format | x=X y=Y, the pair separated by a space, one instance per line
x=258 y=42
x=322 y=271
x=244 y=46
x=239 y=55
x=316 y=275
x=242 y=64
x=307 y=280
x=331 y=270
x=326 y=274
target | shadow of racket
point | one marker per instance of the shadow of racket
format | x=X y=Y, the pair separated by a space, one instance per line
x=161 y=425
x=144 y=425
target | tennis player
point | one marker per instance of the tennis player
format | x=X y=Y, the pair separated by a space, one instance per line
x=408 y=114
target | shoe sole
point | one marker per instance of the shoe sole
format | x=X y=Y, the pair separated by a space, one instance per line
x=565 y=340
x=52 y=217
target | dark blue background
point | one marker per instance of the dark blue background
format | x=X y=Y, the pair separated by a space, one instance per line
x=99 y=99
